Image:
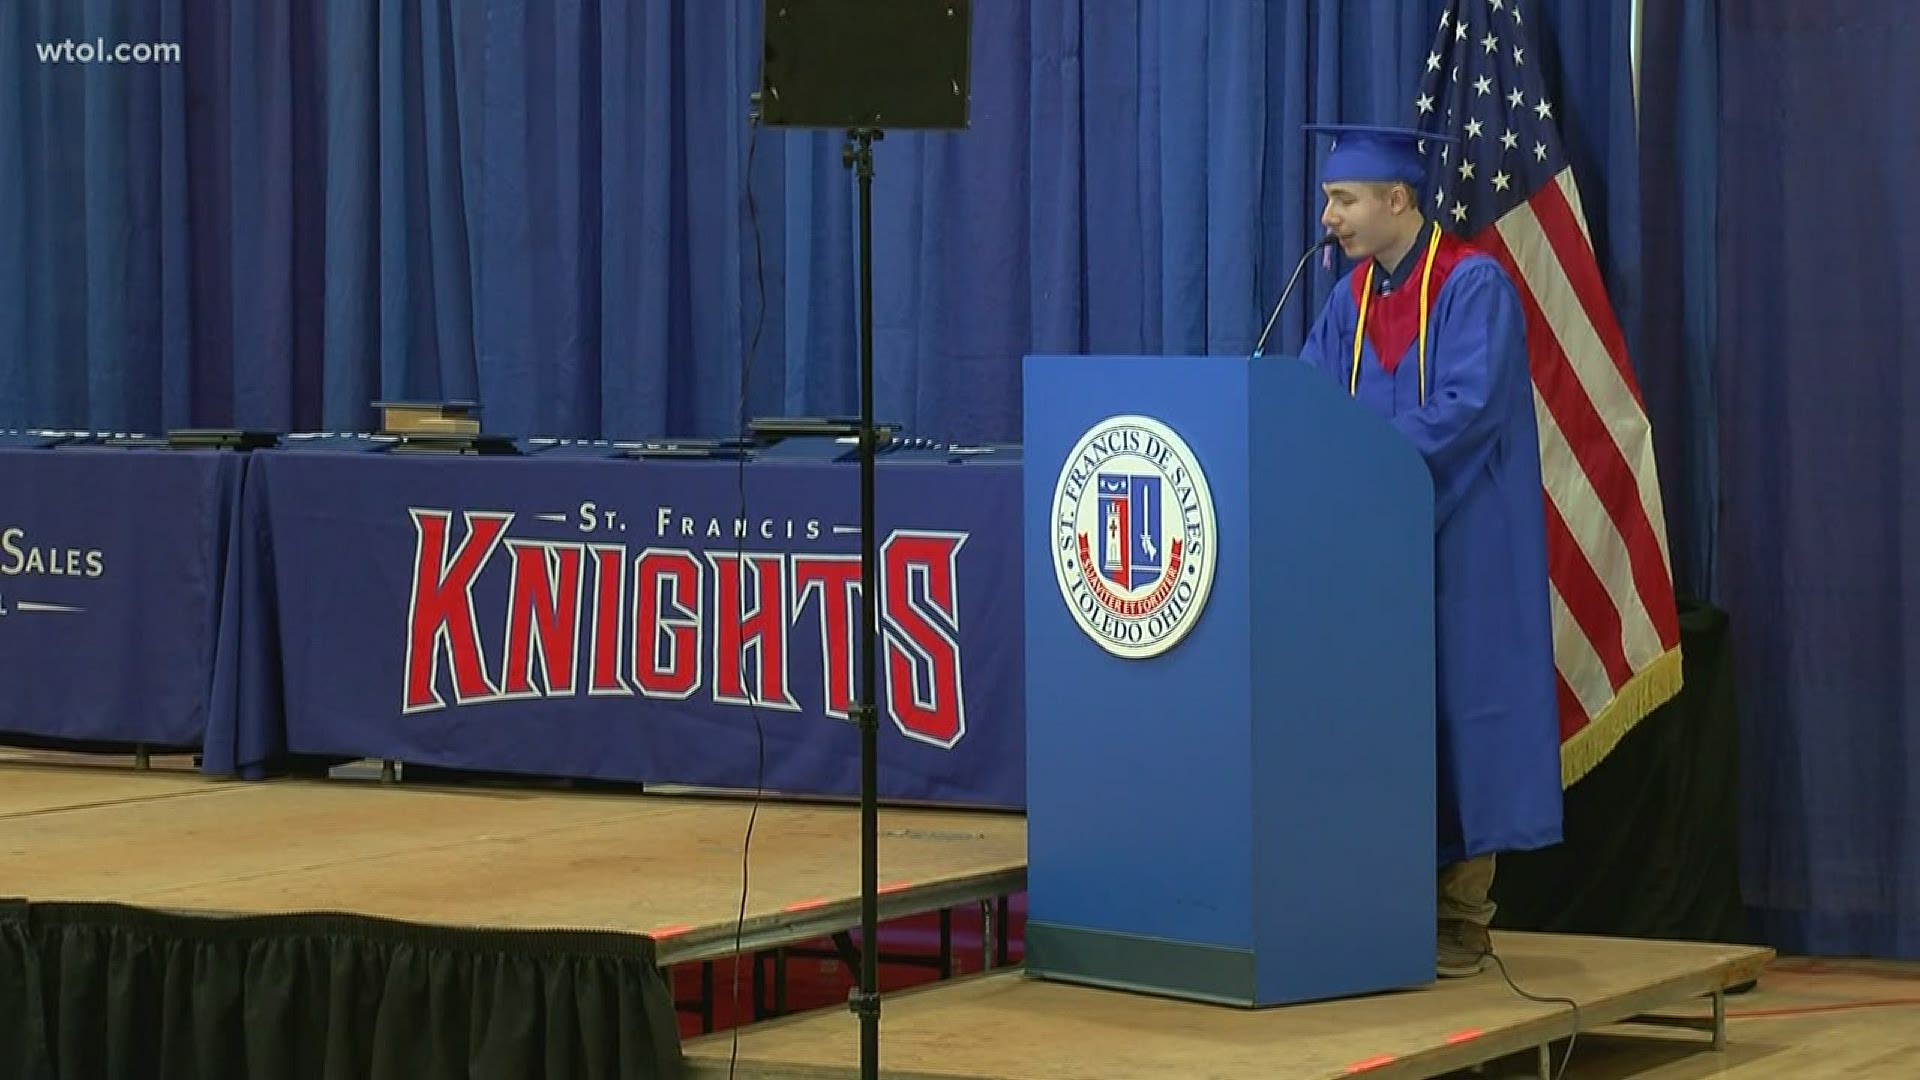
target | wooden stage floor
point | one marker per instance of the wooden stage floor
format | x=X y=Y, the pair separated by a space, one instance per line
x=668 y=867
x=1005 y=1026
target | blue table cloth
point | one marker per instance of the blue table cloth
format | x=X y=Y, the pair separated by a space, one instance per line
x=111 y=569
x=567 y=613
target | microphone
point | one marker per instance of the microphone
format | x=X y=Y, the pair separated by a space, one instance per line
x=1326 y=242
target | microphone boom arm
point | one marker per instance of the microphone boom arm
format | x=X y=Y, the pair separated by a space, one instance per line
x=1325 y=242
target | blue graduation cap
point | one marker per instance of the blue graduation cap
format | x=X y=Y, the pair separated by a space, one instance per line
x=1371 y=154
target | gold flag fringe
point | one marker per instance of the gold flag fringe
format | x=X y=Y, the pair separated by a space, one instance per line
x=1652 y=687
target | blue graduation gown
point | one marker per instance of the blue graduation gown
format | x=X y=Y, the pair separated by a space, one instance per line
x=1498 y=727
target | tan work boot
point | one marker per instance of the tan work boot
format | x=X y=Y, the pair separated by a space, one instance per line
x=1463 y=949
x=1466 y=910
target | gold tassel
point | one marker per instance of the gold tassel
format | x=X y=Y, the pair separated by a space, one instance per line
x=1652 y=687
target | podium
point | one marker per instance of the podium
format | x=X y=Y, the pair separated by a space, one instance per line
x=1230 y=683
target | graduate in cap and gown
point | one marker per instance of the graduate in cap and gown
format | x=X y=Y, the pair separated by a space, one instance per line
x=1429 y=334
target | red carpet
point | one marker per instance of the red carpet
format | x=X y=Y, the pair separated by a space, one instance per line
x=820 y=982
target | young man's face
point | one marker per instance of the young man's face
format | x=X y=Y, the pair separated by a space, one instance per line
x=1366 y=217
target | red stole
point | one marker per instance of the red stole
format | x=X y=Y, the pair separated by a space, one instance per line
x=1393 y=320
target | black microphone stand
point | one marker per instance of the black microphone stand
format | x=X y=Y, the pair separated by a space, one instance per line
x=864 y=1002
x=857 y=154
x=1259 y=347
x=836 y=66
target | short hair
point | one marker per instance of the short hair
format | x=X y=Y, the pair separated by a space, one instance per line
x=1385 y=188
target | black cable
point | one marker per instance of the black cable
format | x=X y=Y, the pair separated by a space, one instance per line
x=1568 y=1002
x=740 y=577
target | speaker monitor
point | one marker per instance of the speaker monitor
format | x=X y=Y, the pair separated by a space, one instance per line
x=888 y=64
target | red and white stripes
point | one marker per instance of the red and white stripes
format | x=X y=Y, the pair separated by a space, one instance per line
x=1615 y=631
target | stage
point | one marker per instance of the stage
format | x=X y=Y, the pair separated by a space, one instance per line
x=168 y=863
x=574 y=871
x=665 y=867
x=1005 y=1026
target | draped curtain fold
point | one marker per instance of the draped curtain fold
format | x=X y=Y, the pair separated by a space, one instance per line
x=1818 y=257
x=544 y=207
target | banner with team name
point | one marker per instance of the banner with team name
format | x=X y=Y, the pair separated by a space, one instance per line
x=111 y=562
x=625 y=620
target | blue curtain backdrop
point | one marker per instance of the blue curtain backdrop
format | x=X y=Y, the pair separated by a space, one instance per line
x=542 y=206
x=1679 y=145
x=1819 y=328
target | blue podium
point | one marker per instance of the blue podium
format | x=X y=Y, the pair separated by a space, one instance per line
x=1230 y=683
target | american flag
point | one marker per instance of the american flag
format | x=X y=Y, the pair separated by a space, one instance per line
x=1506 y=186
